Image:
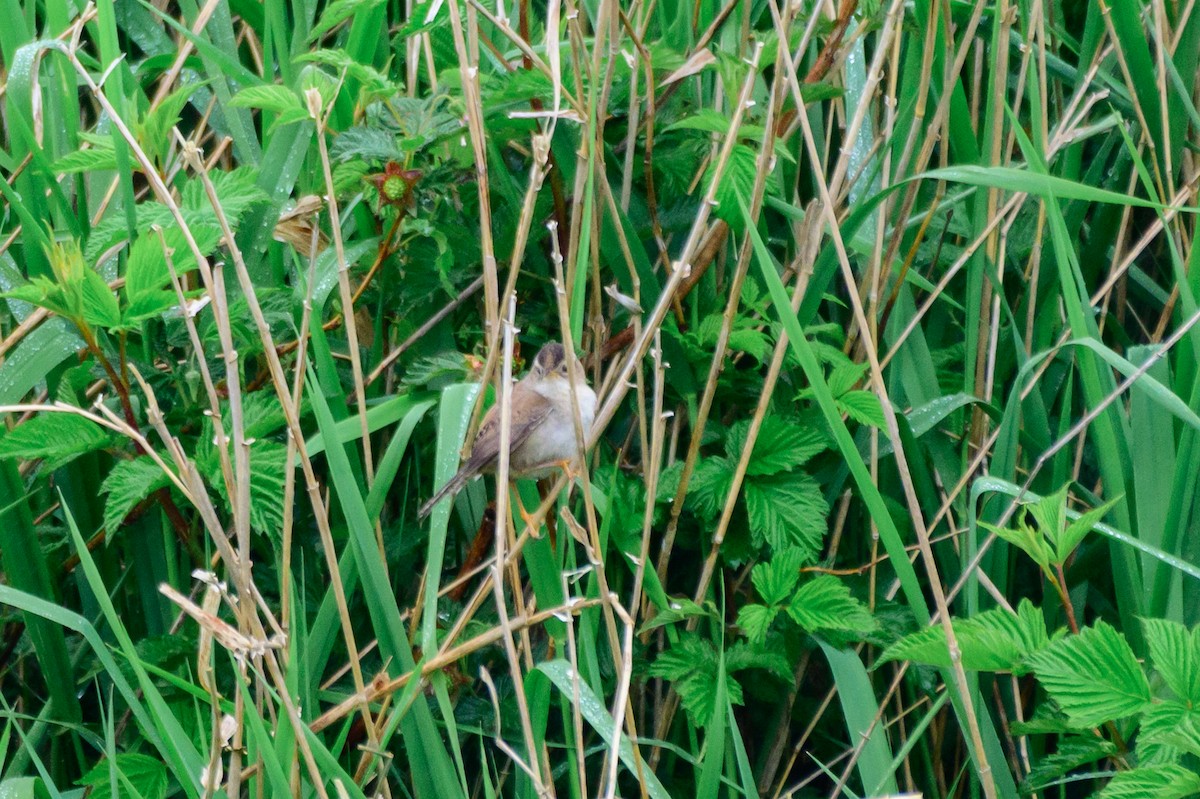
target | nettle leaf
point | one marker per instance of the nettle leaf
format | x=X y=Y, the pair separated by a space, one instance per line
x=1093 y=676
x=55 y=438
x=338 y=12
x=994 y=640
x=1025 y=538
x=1070 y=753
x=146 y=775
x=127 y=484
x=787 y=510
x=737 y=180
x=776 y=580
x=1065 y=541
x=709 y=486
x=742 y=656
x=754 y=343
x=1171 y=728
x=756 y=620
x=99 y=157
x=154 y=130
x=1154 y=782
x=863 y=407
x=845 y=376
x=825 y=603
x=1176 y=656
x=274 y=98
x=236 y=192
x=366 y=143
x=680 y=609
x=100 y=305
x=45 y=293
x=268 y=460
x=783 y=443
x=693 y=668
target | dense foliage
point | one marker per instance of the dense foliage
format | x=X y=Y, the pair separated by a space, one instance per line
x=890 y=308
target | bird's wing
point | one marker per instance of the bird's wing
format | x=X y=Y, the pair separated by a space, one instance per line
x=529 y=409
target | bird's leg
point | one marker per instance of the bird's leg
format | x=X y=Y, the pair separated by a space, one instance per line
x=526 y=517
x=543 y=487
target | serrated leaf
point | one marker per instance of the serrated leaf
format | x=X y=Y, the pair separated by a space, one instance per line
x=128 y=484
x=756 y=620
x=825 y=603
x=1154 y=782
x=737 y=180
x=994 y=640
x=146 y=269
x=709 y=486
x=146 y=775
x=1093 y=676
x=788 y=510
x=100 y=305
x=742 y=656
x=776 y=579
x=692 y=667
x=236 y=192
x=101 y=157
x=754 y=343
x=1065 y=541
x=367 y=143
x=783 y=443
x=681 y=609
x=1070 y=753
x=1175 y=653
x=1171 y=726
x=338 y=12
x=863 y=407
x=154 y=131
x=1025 y=538
x=273 y=97
x=54 y=437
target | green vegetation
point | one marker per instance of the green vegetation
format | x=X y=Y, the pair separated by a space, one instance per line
x=891 y=310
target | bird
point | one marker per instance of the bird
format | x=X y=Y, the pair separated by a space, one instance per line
x=542 y=432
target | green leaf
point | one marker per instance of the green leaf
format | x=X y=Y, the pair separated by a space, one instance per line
x=54 y=437
x=45 y=293
x=1094 y=676
x=1176 y=656
x=272 y=97
x=1025 y=538
x=338 y=12
x=742 y=656
x=127 y=484
x=737 y=179
x=776 y=579
x=1153 y=782
x=709 y=487
x=691 y=665
x=994 y=640
x=1070 y=753
x=146 y=775
x=825 y=603
x=100 y=307
x=756 y=620
x=236 y=191
x=863 y=407
x=1065 y=541
x=147 y=271
x=680 y=609
x=154 y=132
x=100 y=157
x=788 y=510
x=782 y=444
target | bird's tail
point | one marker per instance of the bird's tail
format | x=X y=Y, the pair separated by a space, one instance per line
x=451 y=487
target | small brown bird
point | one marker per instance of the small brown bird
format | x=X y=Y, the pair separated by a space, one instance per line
x=542 y=434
